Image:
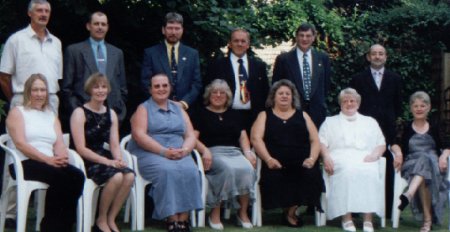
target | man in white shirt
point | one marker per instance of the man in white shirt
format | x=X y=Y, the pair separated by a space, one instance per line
x=31 y=50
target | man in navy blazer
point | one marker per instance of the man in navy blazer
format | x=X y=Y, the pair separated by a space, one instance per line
x=290 y=65
x=185 y=78
x=226 y=68
x=381 y=98
x=81 y=60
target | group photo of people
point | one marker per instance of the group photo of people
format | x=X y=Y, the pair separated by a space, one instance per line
x=266 y=136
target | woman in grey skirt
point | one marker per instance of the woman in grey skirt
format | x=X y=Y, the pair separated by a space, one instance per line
x=225 y=147
x=419 y=144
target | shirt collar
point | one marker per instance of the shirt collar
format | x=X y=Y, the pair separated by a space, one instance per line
x=300 y=52
x=170 y=106
x=235 y=58
x=373 y=71
x=168 y=45
x=96 y=43
x=31 y=33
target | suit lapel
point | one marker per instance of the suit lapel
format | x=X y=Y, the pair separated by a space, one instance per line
x=370 y=81
x=88 y=57
x=230 y=74
x=164 y=59
x=295 y=70
x=315 y=63
x=182 y=59
x=111 y=56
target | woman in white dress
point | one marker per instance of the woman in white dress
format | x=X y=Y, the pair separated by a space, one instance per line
x=351 y=144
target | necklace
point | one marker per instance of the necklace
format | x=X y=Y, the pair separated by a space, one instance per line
x=97 y=121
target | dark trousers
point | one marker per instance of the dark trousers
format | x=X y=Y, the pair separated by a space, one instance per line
x=389 y=182
x=65 y=187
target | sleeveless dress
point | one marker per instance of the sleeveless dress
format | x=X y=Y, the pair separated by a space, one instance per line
x=288 y=142
x=421 y=153
x=231 y=173
x=176 y=184
x=97 y=130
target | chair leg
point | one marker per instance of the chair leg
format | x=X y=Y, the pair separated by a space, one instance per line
x=140 y=207
x=4 y=206
x=23 y=197
x=80 y=215
x=40 y=207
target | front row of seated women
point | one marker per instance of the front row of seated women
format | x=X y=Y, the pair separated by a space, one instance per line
x=284 y=137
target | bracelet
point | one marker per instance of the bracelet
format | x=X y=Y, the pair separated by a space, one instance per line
x=248 y=151
x=269 y=159
x=163 y=152
x=311 y=158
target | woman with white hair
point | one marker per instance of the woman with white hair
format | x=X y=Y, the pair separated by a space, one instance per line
x=350 y=144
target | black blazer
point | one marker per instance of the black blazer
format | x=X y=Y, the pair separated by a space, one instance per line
x=189 y=81
x=385 y=104
x=258 y=84
x=287 y=67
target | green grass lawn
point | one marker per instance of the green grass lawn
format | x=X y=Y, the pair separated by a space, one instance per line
x=272 y=222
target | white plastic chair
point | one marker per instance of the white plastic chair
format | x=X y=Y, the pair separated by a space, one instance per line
x=24 y=190
x=321 y=217
x=399 y=186
x=139 y=191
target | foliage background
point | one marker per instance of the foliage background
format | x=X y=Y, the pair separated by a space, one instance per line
x=415 y=32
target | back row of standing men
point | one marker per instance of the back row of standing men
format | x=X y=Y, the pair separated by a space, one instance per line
x=35 y=50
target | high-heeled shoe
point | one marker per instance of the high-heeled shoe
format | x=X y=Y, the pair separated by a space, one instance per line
x=426 y=227
x=184 y=226
x=215 y=226
x=95 y=228
x=404 y=201
x=245 y=225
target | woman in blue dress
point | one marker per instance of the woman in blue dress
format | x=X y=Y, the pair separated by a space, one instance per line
x=163 y=139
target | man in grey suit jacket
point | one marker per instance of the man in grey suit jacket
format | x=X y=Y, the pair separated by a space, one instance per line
x=291 y=66
x=182 y=68
x=91 y=56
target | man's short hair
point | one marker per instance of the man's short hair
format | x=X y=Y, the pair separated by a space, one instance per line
x=99 y=13
x=306 y=27
x=34 y=2
x=173 y=17
x=240 y=29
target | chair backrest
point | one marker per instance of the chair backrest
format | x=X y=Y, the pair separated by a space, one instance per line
x=13 y=157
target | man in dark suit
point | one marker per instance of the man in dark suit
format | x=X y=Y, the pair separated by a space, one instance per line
x=91 y=56
x=178 y=61
x=309 y=70
x=381 y=98
x=255 y=84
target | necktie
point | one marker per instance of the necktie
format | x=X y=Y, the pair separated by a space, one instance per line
x=101 y=61
x=306 y=77
x=243 y=77
x=378 y=77
x=173 y=67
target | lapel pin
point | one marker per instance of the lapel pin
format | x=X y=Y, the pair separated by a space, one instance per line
x=184 y=58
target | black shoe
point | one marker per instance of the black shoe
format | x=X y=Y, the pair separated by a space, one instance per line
x=404 y=201
x=184 y=226
x=95 y=228
x=172 y=226
x=10 y=223
x=286 y=221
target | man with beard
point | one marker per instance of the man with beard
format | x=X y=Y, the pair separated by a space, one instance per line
x=381 y=98
x=178 y=61
x=90 y=56
x=28 y=51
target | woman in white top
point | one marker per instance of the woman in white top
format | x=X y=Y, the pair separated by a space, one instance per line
x=37 y=137
x=350 y=145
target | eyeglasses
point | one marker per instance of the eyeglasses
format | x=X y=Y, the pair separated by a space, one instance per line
x=157 y=86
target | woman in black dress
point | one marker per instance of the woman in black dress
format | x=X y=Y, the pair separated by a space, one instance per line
x=420 y=144
x=286 y=139
x=93 y=125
